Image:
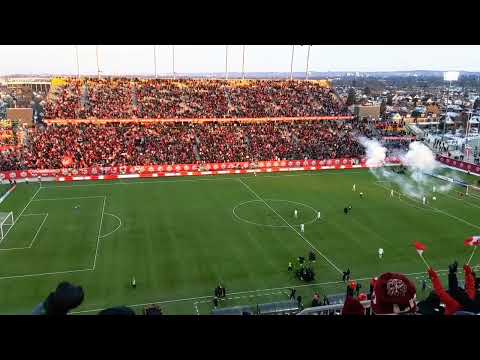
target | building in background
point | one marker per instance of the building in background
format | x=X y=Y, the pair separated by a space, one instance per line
x=366 y=111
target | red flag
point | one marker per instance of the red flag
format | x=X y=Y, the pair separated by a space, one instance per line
x=67 y=161
x=420 y=247
x=472 y=241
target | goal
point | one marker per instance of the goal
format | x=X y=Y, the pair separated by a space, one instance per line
x=6 y=222
x=473 y=191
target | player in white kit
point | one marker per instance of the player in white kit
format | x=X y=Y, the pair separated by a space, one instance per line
x=318 y=215
x=302 y=228
x=295 y=214
x=391 y=193
x=424 y=200
x=434 y=189
x=380 y=253
x=354 y=188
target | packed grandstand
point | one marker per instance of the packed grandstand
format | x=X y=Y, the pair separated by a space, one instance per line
x=118 y=98
x=272 y=120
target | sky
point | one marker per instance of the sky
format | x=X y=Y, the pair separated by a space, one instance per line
x=139 y=59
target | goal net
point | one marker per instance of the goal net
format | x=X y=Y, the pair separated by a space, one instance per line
x=6 y=222
x=473 y=191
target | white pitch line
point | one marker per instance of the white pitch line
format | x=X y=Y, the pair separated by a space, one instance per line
x=291 y=227
x=99 y=230
x=149 y=303
x=38 y=230
x=315 y=211
x=210 y=178
x=474 y=196
x=34 y=237
x=17 y=248
x=43 y=274
x=15 y=221
x=250 y=291
x=70 y=198
x=118 y=227
x=463 y=201
x=440 y=211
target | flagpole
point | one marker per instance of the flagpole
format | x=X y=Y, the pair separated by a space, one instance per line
x=173 y=61
x=425 y=261
x=471 y=256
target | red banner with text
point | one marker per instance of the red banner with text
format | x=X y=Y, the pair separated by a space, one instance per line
x=462 y=165
x=181 y=168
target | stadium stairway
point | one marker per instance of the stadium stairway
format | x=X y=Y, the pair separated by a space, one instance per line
x=195 y=151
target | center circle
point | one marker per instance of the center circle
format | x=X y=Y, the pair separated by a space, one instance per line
x=255 y=212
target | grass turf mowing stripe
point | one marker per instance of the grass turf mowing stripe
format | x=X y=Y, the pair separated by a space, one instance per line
x=291 y=227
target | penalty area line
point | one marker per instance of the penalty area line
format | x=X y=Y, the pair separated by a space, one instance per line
x=21 y=213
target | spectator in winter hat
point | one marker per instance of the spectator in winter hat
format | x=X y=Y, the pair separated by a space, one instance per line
x=352 y=306
x=65 y=298
x=393 y=293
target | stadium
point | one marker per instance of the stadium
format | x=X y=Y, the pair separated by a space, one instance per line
x=199 y=196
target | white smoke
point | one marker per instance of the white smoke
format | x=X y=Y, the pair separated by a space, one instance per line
x=419 y=160
x=376 y=153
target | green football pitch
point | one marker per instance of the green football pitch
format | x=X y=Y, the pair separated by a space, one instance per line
x=180 y=237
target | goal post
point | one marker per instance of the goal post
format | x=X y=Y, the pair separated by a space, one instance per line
x=473 y=191
x=6 y=222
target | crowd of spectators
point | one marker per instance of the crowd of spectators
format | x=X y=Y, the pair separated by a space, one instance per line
x=117 y=98
x=396 y=294
x=102 y=145
x=119 y=144
x=65 y=102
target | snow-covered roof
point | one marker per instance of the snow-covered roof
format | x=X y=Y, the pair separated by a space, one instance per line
x=452 y=114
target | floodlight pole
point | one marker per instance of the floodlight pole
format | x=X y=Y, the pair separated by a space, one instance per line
x=243 y=63
x=226 y=62
x=173 y=61
x=155 y=59
x=98 y=67
x=446 y=109
x=78 y=63
x=467 y=130
x=308 y=60
x=291 y=63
